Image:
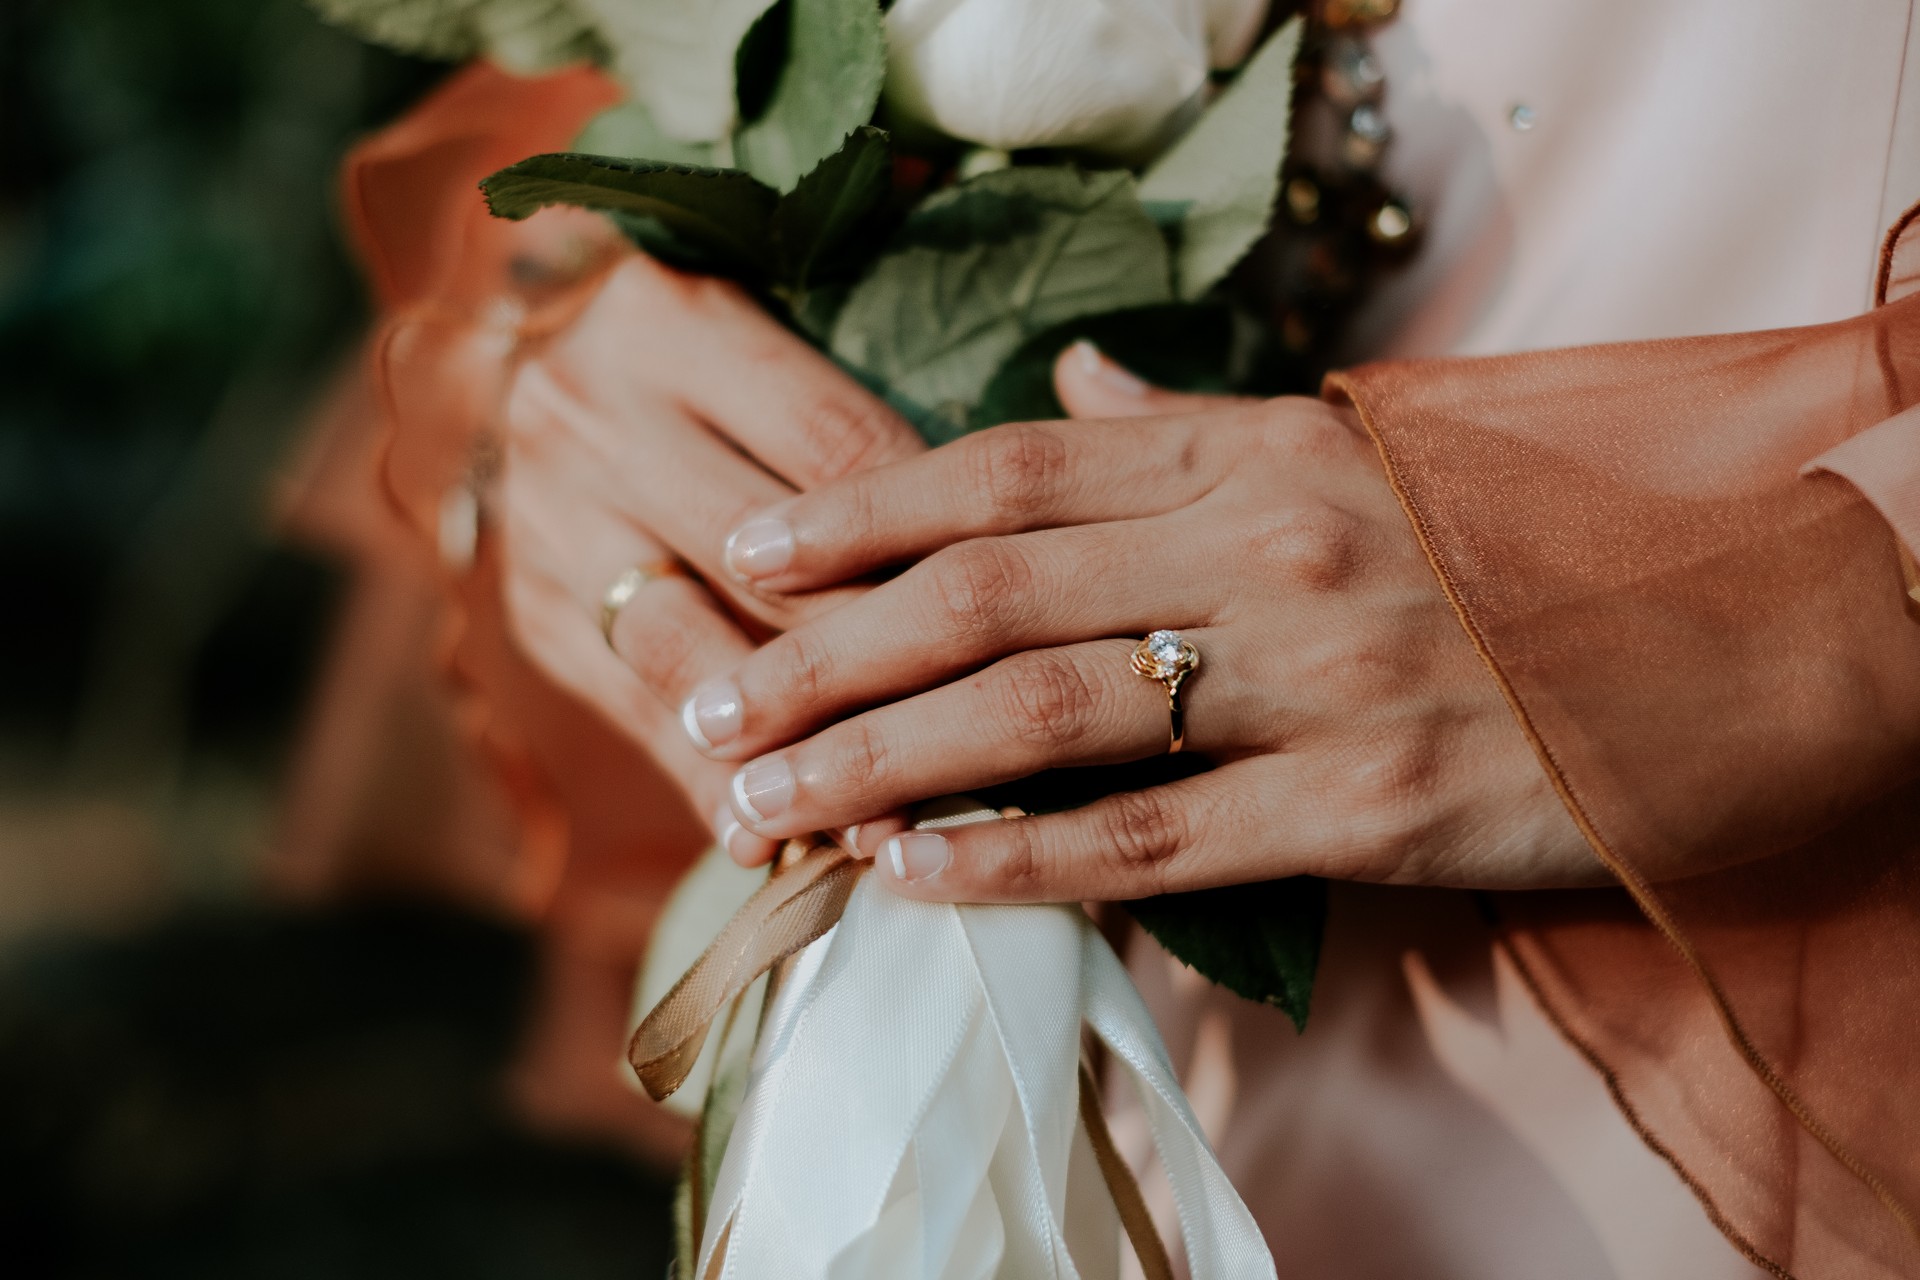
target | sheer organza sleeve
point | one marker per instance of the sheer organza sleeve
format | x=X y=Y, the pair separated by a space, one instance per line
x=1707 y=641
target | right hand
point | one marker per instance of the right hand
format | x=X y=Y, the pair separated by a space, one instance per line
x=668 y=412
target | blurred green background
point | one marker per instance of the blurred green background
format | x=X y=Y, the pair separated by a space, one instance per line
x=193 y=1081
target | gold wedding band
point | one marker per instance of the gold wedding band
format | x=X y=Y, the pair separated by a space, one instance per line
x=627 y=586
x=1168 y=658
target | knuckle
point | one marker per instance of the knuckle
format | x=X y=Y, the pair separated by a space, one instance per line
x=856 y=762
x=805 y=668
x=658 y=648
x=1309 y=434
x=1315 y=548
x=1146 y=830
x=704 y=295
x=1050 y=701
x=1020 y=872
x=1019 y=470
x=980 y=586
x=841 y=437
x=1388 y=794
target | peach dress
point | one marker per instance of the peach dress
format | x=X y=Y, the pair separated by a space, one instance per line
x=1645 y=544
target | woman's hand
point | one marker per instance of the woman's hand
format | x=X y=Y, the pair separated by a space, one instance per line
x=1356 y=732
x=669 y=410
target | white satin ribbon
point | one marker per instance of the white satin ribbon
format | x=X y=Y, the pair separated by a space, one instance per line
x=912 y=1112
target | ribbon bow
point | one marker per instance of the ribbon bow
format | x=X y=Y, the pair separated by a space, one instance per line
x=804 y=898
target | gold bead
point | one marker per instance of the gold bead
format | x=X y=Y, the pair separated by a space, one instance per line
x=1303 y=200
x=1390 y=224
x=1342 y=14
x=1296 y=333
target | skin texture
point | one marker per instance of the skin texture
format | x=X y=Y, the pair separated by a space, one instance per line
x=1354 y=731
x=666 y=378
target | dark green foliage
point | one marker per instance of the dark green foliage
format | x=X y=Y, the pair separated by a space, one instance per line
x=173 y=289
x=720 y=215
x=315 y=1096
x=822 y=228
x=1261 y=941
x=1185 y=346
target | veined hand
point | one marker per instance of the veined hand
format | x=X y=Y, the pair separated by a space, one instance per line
x=668 y=411
x=1354 y=730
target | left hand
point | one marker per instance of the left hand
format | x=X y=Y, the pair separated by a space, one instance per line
x=1355 y=730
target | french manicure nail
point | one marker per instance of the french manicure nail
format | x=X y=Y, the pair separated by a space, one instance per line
x=916 y=855
x=734 y=839
x=712 y=715
x=763 y=789
x=760 y=548
x=1105 y=372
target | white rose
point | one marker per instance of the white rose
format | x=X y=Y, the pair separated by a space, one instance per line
x=1114 y=77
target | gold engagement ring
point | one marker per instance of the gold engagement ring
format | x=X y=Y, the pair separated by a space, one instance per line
x=627 y=586
x=1168 y=658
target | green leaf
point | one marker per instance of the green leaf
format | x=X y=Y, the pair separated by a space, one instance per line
x=720 y=213
x=1226 y=169
x=1184 y=346
x=978 y=269
x=630 y=131
x=1261 y=941
x=836 y=57
x=525 y=35
x=758 y=61
x=821 y=226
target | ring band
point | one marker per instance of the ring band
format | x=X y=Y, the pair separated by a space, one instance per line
x=627 y=586
x=1167 y=658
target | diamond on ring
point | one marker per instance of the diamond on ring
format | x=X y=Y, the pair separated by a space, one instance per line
x=1168 y=658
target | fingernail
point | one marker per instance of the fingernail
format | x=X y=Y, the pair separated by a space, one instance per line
x=1105 y=372
x=763 y=789
x=916 y=855
x=760 y=548
x=850 y=838
x=735 y=839
x=711 y=716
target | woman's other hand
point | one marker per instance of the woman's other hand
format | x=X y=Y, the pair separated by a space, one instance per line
x=666 y=413
x=1355 y=731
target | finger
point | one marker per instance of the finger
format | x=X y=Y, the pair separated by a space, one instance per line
x=673 y=636
x=561 y=557
x=1005 y=480
x=863 y=838
x=761 y=386
x=1225 y=826
x=549 y=624
x=641 y=473
x=955 y=611
x=1044 y=709
x=1091 y=384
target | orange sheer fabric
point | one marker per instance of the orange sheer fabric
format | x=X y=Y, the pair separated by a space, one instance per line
x=1711 y=655
x=462 y=293
x=509 y=789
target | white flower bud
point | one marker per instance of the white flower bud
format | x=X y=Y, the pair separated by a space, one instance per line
x=1113 y=77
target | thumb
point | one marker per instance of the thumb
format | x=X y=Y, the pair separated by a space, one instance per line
x=1092 y=386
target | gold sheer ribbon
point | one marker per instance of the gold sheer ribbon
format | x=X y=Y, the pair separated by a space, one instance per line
x=801 y=900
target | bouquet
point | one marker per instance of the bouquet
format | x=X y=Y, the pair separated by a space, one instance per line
x=942 y=195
